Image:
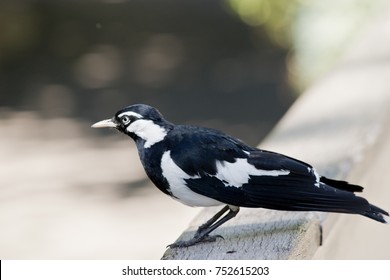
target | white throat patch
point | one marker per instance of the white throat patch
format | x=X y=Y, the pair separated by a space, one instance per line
x=147 y=130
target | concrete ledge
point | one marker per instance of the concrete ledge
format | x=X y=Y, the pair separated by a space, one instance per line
x=333 y=126
x=256 y=234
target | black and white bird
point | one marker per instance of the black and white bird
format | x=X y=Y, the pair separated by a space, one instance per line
x=205 y=167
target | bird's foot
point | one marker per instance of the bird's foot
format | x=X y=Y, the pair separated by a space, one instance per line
x=195 y=240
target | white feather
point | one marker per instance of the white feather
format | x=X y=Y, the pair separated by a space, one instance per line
x=129 y=113
x=317 y=184
x=147 y=130
x=238 y=173
x=175 y=177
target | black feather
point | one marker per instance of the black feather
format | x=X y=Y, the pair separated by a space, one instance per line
x=196 y=150
x=341 y=185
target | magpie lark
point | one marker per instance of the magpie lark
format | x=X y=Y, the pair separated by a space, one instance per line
x=205 y=167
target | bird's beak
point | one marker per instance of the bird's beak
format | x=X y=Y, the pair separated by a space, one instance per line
x=105 y=123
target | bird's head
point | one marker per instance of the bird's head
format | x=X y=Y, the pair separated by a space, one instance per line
x=143 y=123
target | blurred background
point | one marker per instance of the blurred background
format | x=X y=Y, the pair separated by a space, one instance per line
x=68 y=191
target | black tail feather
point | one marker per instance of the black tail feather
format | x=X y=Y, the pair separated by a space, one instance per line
x=373 y=211
x=341 y=185
x=377 y=214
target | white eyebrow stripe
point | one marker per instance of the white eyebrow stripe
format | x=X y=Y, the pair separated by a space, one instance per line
x=134 y=114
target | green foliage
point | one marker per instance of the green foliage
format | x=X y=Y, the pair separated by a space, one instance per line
x=275 y=16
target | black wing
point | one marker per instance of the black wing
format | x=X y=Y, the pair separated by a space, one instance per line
x=196 y=150
x=300 y=190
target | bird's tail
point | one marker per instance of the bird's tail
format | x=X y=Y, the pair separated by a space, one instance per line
x=377 y=214
x=372 y=211
x=294 y=194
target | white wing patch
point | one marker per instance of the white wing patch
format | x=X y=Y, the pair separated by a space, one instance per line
x=147 y=130
x=237 y=173
x=175 y=177
x=317 y=184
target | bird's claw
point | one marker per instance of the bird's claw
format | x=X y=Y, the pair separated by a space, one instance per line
x=194 y=241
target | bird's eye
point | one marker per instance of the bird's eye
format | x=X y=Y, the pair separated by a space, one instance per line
x=125 y=120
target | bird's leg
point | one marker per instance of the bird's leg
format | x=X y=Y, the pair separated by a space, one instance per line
x=231 y=214
x=203 y=234
x=212 y=220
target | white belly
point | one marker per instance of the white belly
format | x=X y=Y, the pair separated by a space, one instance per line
x=175 y=177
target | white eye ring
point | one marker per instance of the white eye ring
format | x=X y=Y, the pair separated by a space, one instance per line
x=125 y=120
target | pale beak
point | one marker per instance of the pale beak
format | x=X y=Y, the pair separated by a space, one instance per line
x=105 y=123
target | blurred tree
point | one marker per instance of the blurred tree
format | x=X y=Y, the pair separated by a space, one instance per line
x=275 y=16
x=318 y=32
x=86 y=59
